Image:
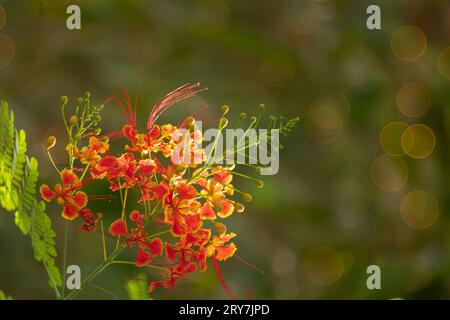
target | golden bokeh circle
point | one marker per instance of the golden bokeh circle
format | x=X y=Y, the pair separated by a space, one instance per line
x=413 y=99
x=390 y=138
x=7 y=50
x=419 y=209
x=389 y=173
x=323 y=265
x=408 y=43
x=2 y=17
x=418 y=141
x=443 y=62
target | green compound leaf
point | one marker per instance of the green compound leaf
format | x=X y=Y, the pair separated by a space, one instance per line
x=18 y=180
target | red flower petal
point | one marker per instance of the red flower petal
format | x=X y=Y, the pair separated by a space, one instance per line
x=171 y=252
x=68 y=177
x=155 y=246
x=185 y=191
x=136 y=217
x=193 y=222
x=224 y=177
x=225 y=252
x=46 y=193
x=69 y=212
x=227 y=209
x=147 y=166
x=161 y=190
x=142 y=258
x=207 y=212
x=80 y=199
x=118 y=228
x=153 y=285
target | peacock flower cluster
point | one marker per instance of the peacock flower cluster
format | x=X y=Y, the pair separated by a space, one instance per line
x=177 y=223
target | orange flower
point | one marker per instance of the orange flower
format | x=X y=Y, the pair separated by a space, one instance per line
x=91 y=154
x=218 y=247
x=66 y=194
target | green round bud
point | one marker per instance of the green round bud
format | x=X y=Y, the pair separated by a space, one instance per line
x=220 y=227
x=63 y=100
x=247 y=197
x=259 y=184
x=50 y=143
x=243 y=116
x=258 y=169
x=80 y=101
x=73 y=120
x=262 y=106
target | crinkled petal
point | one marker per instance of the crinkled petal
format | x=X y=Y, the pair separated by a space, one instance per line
x=69 y=212
x=69 y=178
x=80 y=199
x=225 y=252
x=46 y=193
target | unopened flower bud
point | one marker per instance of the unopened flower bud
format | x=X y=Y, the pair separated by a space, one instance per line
x=51 y=141
x=63 y=100
x=262 y=106
x=259 y=184
x=220 y=227
x=243 y=116
x=247 y=197
x=79 y=101
x=239 y=207
x=73 y=120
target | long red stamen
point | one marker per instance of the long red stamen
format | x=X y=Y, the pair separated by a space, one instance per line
x=181 y=93
x=248 y=264
x=222 y=281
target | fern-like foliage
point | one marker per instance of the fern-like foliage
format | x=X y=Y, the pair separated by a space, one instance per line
x=137 y=288
x=18 y=178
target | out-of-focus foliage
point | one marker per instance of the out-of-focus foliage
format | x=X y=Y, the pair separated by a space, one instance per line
x=137 y=289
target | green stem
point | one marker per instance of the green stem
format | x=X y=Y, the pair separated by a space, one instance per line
x=96 y=272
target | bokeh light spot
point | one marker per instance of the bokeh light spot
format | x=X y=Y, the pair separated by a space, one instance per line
x=443 y=62
x=418 y=141
x=389 y=173
x=419 y=209
x=323 y=265
x=408 y=43
x=413 y=99
x=390 y=138
x=7 y=50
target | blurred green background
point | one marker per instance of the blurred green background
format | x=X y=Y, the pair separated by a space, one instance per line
x=336 y=206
